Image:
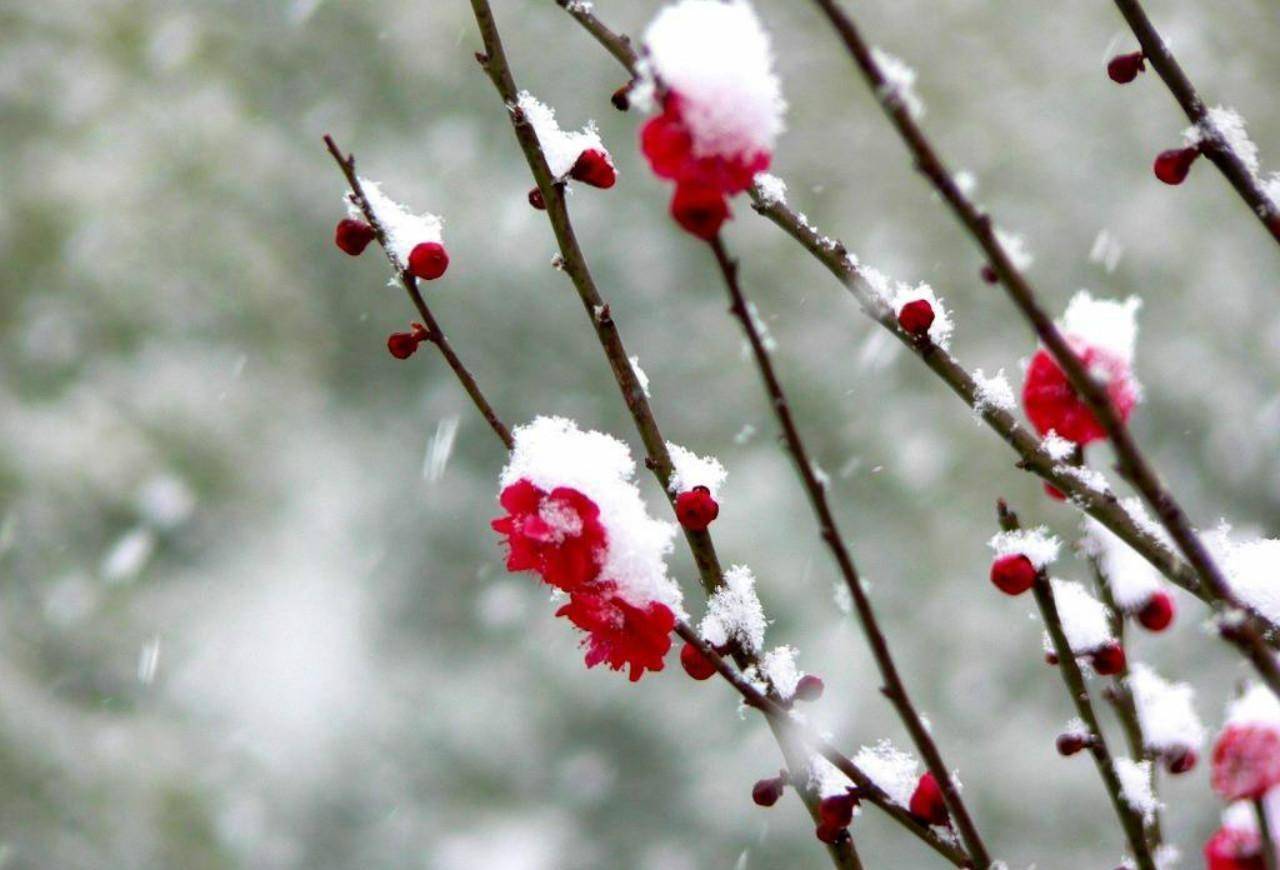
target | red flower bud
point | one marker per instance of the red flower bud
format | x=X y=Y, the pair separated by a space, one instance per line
x=1234 y=849
x=699 y=209
x=1051 y=658
x=1172 y=166
x=621 y=98
x=1054 y=493
x=809 y=688
x=695 y=664
x=1070 y=744
x=1157 y=613
x=428 y=261
x=927 y=802
x=594 y=167
x=536 y=200
x=402 y=344
x=1180 y=760
x=767 y=791
x=916 y=317
x=1124 y=68
x=989 y=274
x=1108 y=660
x=353 y=236
x=831 y=834
x=836 y=811
x=1013 y=574
x=695 y=508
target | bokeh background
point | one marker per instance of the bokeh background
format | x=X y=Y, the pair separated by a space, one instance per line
x=251 y=613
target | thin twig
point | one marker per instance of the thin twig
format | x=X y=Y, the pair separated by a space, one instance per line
x=1265 y=835
x=1130 y=819
x=494 y=62
x=1131 y=462
x=1213 y=145
x=894 y=689
x=435 y=333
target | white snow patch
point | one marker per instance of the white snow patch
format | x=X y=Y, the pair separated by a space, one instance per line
x=1104 y=323
x=641 y=377
x=561 y=148
x=1257 y=706
x=771 y=189
x=994 y=393
x=734 y=612
x=1036 y=544
x=1250 y=566
x=1059 y=449
x=900 y=82
x=1015 y=248
x=1166 y=711
x=895 y=771
x=1227 y=125
x=404 y=229
x=778 y=666
x=692 y=470
x=1084 y=618
x=1132 y=579
x=1136 y=786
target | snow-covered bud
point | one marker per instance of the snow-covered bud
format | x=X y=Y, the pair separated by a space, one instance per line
x=1124 y=68
x=1013 y=574
x=1180 y=761
x=1108 y=660
x=1157 y=613
x=536 y=200
x=700 y=209
x=916 y=317
x=1172 y=166
x=403 y=344
x=696 y=664
x=809 y=688
x=836 y=811
x=766 y=792
x=353 y=236
x=1246 y=761
x=927 y=803
x=696 y=509
x=1072 y=742
x=428 y=261
x=594 y=167
x=1232 y=848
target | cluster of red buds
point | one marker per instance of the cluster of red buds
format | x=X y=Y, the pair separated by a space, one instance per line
x=593 y=167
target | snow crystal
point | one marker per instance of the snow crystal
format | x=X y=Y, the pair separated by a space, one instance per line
x=1106 y=251
x=734 y=612
x=1131 y=578
x=1250 y=566
x=940 y=330
x=439 y=449
x=692 y=470
x=966 y=182
x=1077 y=728
x=562 y=149
x=1136 y=786
x=1090 y=478
x=779 y=666
x=1257 y=706
x=900 y=82
x=128 y=556
x=761 y=328
x=404 y=230
x=1058 y=448
x=1104 y=323
x=771 y=189
x=1015 y=248
x=166 y=501
x=149 y=661
x=1165 y=711
x=1228 y=125
x=717 y=57
x=640 y=375
x=842 y=597
x=1084 y=618
x=1036 y=544
x=994 y=393
x=552 y=452
x=895 y=771
x=745 y=434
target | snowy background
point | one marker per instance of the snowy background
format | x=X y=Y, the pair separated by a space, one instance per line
x=252 y=614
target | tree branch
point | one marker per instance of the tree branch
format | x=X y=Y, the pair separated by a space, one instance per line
x=1156 y=51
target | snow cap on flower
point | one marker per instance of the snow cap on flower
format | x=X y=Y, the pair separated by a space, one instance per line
x=895 y=771
x=1132 y=579
x=1040 y=547
x=942 y=327
x=734 y=612
x=1257 y=706
x=552 y=452
x=404 y=229
x=562 y=148
x=1166 y=711
x=690 y=470
x=717 y=57
x=1084 y=618
x=1250 y=566
x=1103 y=323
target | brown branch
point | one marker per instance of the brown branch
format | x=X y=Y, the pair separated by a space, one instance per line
x=1266 y=835
x=435 y=332
x=894 y=689
x=1133 y=465
x=1130 y=819
x=1229 y=163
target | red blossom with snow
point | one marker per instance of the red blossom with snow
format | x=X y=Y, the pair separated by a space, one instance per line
x=1233 y=849
x=1246 y=761
x=620 y=634
x=556 y=534
x=1053 y=405
x=927 y=802
x=668 y=144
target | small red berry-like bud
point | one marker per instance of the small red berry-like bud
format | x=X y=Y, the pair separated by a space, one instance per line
x=428 y=261
x=809 y=688
x=402 y=344
x=536 y=200
x=1013 y=574
x=621 y=98
x=594 y=167
x=767 y=791
x=836 y=811
x=700 y=209
x=1180 y=760
x=1157 y=613
x=1172 y=166
x=353 y=236
x=831 y=834
x=695 y=508
x=1124 y=68
x=1108 y=660
x=989 y=274
x=916 y=317
x=1051 y=658
x=927 y=802
x=1070 y=744
x=1054 y=493
x=695 y=664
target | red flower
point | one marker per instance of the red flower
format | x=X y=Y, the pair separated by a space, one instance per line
x=1013 y=573
x=927 y=802
x=1246 y=761
x=700 y=209
x=1233 y=849
x=619 y=633
x=668 y=144
x=1053 y=404
x=558 y=534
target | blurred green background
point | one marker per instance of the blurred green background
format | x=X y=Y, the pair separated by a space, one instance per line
x=246 y=620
